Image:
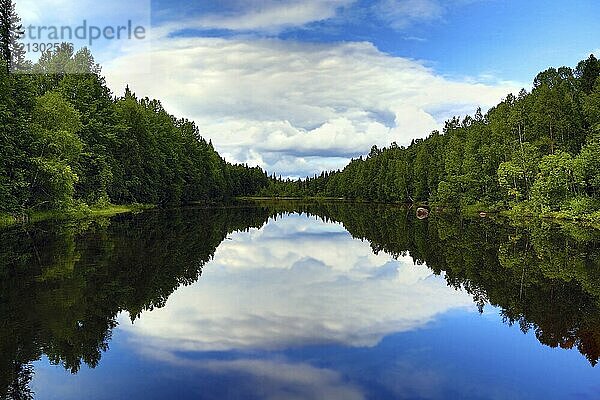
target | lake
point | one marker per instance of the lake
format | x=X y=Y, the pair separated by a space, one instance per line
x=293 y=300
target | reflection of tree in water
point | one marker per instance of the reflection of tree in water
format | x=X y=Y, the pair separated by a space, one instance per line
x=545 y=277
x=18 y=388
x=62 y=286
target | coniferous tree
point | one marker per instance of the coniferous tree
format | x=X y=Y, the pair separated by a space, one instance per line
x=11 y=31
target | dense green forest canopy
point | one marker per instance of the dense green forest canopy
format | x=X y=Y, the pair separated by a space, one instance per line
x=66 y=141
x=539 y=151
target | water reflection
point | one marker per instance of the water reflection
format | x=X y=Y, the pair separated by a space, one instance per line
x=294 y=306
x=297 y=283
x=62 y=286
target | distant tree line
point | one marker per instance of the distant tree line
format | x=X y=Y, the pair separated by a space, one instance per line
x=539 y=150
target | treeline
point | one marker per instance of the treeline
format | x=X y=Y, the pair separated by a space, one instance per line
x=66 y=142
x=539 y=150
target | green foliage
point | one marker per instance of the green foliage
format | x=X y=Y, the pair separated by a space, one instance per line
x=53 y=112
x=67 y=142
x=586 y=167
x=57 y=146
x=533 y=152
x=54 y=184
x=581 y=205
x=11 y=50
x=447 y=194
x=554 y=183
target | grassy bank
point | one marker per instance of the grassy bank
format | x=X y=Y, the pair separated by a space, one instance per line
x=592 y=219
x=6 y=220
x=72 y=214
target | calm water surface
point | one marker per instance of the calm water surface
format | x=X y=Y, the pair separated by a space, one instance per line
x=292 y=301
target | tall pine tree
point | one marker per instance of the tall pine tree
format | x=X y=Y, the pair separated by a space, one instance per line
x=11 y=31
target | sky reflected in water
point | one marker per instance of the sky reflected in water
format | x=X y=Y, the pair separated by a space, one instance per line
x=300 y=310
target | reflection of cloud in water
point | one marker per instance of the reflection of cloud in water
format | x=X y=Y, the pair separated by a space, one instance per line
x=409 y=381
x=296 y=282
x=278 y=379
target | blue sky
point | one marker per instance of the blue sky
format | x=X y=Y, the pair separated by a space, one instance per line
x=301 y=86
x=508 y=39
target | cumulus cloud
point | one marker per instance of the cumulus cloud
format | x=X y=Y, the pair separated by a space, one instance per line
x=294 y=283
x=292 y=108
x=273 y=102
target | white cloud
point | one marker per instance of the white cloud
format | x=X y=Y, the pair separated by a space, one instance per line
x=292 y=108
x=293 y=283
x=271 y=379
x=269 y=101
x=402 y=13
x=266 y=15
x=275 y=16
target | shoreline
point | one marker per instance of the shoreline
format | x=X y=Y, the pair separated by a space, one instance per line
x=472 y=210
x=8 y=220
x=589 y=220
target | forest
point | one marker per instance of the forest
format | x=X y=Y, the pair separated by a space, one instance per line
x=67 y=143
x=537 y=153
